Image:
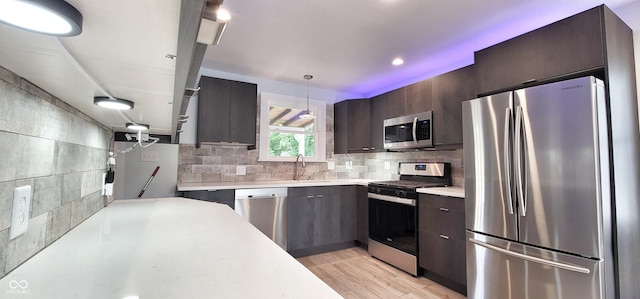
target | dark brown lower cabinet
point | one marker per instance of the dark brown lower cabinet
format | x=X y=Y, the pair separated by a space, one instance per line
x=363 y=215
x=226 y=197
x=441 y=238
x=321 y=219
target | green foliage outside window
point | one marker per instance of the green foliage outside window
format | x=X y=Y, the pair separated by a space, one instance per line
x=286 y=145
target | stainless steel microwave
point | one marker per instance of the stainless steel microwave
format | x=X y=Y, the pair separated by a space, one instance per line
x=408 y=132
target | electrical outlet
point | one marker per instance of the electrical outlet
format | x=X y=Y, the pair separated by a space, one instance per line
x=149 y=156
x=241 y=170
x=20 y=215
x=348 y=164
x=387 y=165
x=331 y=165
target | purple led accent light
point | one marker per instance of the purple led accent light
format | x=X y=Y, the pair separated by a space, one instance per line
x=460 y=54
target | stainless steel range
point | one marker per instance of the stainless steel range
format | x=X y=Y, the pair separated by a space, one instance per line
x=393 y=213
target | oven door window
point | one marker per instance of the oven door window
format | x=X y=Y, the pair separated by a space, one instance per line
x=393 y=224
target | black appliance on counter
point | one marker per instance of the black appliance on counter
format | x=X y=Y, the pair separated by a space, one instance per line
x=393 y=212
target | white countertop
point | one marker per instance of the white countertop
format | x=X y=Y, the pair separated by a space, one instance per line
x=444 y=191
x=164 y=248
x=212 y=186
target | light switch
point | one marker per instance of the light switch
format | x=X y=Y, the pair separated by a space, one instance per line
x=387 y=165
x=20 y=214
x=331 y=165
x=348 y=164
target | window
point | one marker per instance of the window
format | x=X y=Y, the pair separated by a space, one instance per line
x=284 y=134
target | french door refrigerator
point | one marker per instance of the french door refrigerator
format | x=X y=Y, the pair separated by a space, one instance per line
x=537 y=186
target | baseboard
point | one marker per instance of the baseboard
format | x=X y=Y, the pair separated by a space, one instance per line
x=321 y=249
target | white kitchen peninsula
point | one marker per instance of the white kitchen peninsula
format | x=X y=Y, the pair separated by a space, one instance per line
x=163 y=248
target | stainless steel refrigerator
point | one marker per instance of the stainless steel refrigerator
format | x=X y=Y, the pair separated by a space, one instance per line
x=538 y=193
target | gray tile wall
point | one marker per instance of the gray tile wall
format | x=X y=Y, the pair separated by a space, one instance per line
x=216 y=163
x=56 y=149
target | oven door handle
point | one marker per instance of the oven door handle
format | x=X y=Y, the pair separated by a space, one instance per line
x=400 y=200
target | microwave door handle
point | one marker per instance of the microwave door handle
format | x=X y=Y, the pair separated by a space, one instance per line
x=507 y=157
x=415 y=123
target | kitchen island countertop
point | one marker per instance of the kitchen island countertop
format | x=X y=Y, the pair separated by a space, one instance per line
x=163 y=248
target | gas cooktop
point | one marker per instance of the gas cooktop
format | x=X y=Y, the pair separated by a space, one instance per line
x=407 y=184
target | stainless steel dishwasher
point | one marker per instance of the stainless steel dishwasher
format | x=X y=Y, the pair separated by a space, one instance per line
x=266 y=209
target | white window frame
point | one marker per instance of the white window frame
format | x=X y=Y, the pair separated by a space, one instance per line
x=318 y=109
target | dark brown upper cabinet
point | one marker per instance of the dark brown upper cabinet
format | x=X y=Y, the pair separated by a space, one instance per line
x=227 y=112
x=572 y=45
x=449 y=91
x=352 y=126
x=395 y=103
x=377 y=117
x=419 y=97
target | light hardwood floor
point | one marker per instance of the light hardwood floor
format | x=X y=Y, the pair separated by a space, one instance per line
x=355 y=274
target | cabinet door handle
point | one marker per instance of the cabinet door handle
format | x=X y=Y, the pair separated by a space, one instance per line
x=444 y=209
x=310 y=196
x=372 y=148
x=444 y=237
x=365 y=148
x=320 y=196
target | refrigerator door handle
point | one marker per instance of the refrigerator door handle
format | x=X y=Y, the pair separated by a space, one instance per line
x=507 y=157
x=518 y=158
x=534 y=259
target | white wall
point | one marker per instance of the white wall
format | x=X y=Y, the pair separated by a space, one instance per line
x=132 y=173
x=272 y=86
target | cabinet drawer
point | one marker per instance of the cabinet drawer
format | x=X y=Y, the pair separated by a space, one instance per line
x=300 y=192
x=448 y=223
x=437 y=201
x=445 y=257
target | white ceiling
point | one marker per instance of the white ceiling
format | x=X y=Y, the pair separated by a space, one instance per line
x=122 y=49
x=347 y=45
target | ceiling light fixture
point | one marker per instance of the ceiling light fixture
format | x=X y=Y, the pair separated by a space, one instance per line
x=397 y=61
x=51 y=17
x=307 y=114
x=212 y=25
x=137 y=127
x=113 y=103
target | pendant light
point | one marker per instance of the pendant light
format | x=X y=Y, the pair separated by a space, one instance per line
x=51 y=17
x=307 y=114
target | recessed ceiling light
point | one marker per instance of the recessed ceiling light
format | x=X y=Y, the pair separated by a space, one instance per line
x=51 y=17
x=397 y=61
x=113 y=103
x=137 y=127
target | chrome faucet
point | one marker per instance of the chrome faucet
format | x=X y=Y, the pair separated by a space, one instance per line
x=297 y=174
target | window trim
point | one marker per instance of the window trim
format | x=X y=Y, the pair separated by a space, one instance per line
x=319 y=109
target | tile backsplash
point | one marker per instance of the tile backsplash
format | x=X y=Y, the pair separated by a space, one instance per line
x=218 y=163
x=56 y=149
